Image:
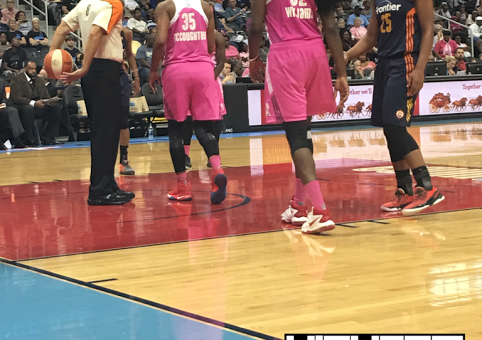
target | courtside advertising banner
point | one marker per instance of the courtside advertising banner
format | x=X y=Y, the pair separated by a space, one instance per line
x=435 y=98
x=451 y=97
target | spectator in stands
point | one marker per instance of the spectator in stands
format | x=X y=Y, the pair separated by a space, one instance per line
x=367 y=9
x=347 y=41
x=68 y=5
x=231 y=51
x=234 y=16
x=152 y=27
x=444 y=11
x=357 y=14
x=341 y=24
x=227 y=77
x=471 y=18
x=70 y=41
x=431 y=57
x=244 y=54
x=236 y=67
x=10 y=118
x=460 y=40
x=138 y=26
x=14 y=33
x=14 y=59
x=27 y=94
x=54 y=12
x=263 y=50
x=463 y=14
x=445 y=47
x=37 y=38
x=365 y=63
x=22 y=23
x=4 y=44
x=341 y=14
x=438 y=34
x=476 y=30
x=451 y=62
x=144 y=57
x=358 y=31
x=459 y=55
x=359 y=74
x=3 y=27
x=9 y=12
x=79 y=59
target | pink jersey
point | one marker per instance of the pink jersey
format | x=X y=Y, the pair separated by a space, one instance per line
x=289 y=20
x=187 y=38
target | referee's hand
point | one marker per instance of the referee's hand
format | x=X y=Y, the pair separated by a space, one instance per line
x=153 y=78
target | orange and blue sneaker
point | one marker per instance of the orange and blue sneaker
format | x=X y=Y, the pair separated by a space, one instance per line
x=318 y=222
x=399 y=201
x=220 y=181
x=422 y=200
x=182 y=192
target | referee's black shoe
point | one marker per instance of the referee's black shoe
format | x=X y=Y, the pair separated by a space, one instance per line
x=119 y=198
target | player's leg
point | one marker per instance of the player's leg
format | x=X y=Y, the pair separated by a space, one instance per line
x=176 y=149
x=404 y=151
x=124 y=166
x=301 y=146
x=176 y=106
x=187 y=131
x=206 y=113
x=206 y=132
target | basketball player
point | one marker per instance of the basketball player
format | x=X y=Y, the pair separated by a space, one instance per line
x=186 y=39
x=298 y=85
x=100 y=23
x=219 y=58
x=402 y=30
x=127 y=89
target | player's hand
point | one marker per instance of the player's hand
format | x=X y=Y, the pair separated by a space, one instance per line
x=68 y=78
x=341 y=86
x=137 y=86
x=257 y=70
x=415 y=82
x=153 y=78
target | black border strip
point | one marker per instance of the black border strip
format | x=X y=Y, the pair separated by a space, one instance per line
x=101 y=281
x=378 y=222
x=142 y=301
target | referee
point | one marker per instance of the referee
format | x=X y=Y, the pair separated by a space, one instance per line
x=101 y=22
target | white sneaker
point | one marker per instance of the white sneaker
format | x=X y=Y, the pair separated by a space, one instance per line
x=295 y=214
x=318 y=221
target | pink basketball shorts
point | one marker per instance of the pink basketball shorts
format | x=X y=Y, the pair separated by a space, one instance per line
x=298 y=82
x=191 y=88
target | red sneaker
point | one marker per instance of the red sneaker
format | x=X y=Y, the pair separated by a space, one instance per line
x=295 y=214
x=318 y=221
x=398 y=202
x=422 y=200
x=182 y=192
x=218 y=194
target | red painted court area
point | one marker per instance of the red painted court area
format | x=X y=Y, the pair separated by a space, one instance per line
x=49 y=219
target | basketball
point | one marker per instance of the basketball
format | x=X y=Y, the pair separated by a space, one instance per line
x=57 y=62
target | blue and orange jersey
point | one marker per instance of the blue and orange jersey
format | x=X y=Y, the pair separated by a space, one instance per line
x=400 y=33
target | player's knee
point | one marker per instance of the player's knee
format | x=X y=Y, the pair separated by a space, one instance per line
x=298 y=135
x=400 y=142
x=208 y=141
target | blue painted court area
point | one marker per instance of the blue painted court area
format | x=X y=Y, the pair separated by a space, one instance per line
x=34 y=306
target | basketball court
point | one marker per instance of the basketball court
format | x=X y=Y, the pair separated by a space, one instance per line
x=157 y=269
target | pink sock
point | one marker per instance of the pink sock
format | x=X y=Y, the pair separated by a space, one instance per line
x=186 y=149
x=182 y=178
x=215 y=162
x=314 y=192
x=300 y=193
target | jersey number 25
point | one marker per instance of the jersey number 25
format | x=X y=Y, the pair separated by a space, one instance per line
x=386 y=26
x=189 y=21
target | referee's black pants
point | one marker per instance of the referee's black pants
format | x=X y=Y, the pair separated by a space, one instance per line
x=101 y=87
